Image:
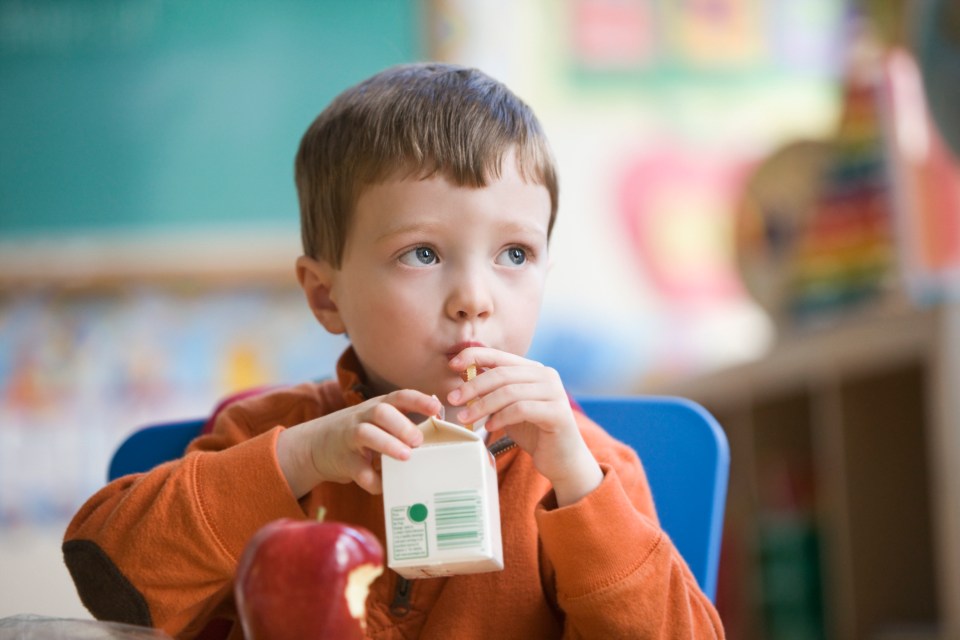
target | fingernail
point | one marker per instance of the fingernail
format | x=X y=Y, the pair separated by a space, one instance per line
x=454 y=396
x=455 y=361
x=463 y=416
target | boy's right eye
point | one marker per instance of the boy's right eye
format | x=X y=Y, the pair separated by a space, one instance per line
x=419 y=257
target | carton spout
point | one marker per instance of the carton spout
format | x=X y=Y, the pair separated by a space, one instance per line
x=437 y=431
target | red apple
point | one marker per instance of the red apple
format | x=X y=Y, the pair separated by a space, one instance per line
x=306 y=579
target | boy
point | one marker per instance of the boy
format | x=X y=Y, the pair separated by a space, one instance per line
x=427 y=197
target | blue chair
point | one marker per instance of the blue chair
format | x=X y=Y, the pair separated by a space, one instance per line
x=149 y=446
x=683 y=449
x=687 y=460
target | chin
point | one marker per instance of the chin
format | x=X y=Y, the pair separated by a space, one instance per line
x=434 y=380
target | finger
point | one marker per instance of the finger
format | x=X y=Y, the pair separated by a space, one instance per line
x=389 y=418
x=493 y=379
x=372 y=437
x=502 y=397
x=542 y=383
x=486 y=357
x=412 y=401
x=539 y=413
x=365 y=476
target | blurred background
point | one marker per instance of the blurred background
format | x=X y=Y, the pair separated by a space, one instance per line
x=759 y=210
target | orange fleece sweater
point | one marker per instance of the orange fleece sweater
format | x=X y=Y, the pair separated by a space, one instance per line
x=161 y=548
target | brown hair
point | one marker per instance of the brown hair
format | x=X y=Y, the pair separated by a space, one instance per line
x=419 y=119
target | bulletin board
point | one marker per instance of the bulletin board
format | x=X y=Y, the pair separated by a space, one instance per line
x=129 y=118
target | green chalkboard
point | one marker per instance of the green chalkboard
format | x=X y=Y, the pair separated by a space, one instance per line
x=142 y=114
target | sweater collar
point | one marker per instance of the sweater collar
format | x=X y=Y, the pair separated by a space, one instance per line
x=352 y=379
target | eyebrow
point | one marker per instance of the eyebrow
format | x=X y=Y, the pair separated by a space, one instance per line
x=425 y=227
x=519 y=227
x=400 y=229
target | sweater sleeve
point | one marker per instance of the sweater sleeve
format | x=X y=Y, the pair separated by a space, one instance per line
x=617 y=573
x=161 y=548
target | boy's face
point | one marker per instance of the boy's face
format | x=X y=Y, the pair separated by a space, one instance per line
x=430 y=268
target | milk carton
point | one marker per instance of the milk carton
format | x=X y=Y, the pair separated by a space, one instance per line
x=441 y=506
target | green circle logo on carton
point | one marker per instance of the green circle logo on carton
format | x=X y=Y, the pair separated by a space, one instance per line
x=417 y=512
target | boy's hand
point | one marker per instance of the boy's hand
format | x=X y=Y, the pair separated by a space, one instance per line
x=529 y=401
x=341 y=447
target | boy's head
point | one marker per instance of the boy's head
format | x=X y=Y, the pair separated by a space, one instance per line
x=415 y=120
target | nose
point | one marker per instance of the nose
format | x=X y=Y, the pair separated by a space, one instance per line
x=470 y=297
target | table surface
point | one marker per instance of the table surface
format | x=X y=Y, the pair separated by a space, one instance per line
x=34 y=627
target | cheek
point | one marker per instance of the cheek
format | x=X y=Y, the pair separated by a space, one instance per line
x=523 y=316
x=394 y=303
x=525 y=322
x=384 y=313
x=363 y=295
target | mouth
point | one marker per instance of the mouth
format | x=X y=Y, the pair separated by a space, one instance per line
x=460 y=346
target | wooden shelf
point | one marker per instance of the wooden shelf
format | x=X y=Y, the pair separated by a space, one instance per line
x=815 y=356
x=853 y=428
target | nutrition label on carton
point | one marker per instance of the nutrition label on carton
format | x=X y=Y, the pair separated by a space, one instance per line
x=409 y=528
x=459 y=519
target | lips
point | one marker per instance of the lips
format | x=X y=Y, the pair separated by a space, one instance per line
x=460 y=346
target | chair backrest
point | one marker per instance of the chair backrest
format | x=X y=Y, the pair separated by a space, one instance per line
x=149 y=446
x=683 y=449
x=687 y=461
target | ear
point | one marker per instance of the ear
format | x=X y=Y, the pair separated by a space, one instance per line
x=316 y=279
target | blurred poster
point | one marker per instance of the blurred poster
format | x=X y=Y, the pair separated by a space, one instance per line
x=717 y=34
x=614 y=34
x=79 y=371
x=690 y=40
x=674 y=207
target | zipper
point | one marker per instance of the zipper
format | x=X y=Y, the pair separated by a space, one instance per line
x=400 y=606
x=501 y=446
x=401 y=598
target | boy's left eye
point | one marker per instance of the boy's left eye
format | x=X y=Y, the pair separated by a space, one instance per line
x=514 y=256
